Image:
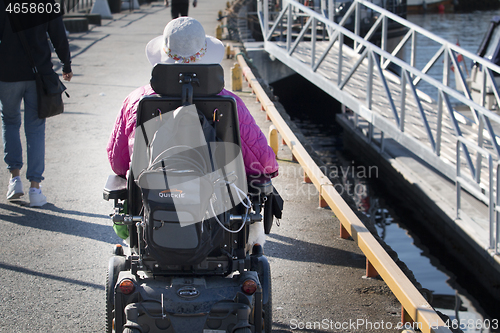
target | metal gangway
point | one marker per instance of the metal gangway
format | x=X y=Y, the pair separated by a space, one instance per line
x=350 y=58
x=75 y=6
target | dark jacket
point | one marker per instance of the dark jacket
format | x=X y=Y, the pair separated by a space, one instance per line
x=14 y=62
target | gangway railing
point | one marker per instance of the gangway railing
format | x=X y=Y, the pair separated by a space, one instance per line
x=461 y=182
x=75 y=6
x=383 y=83
x=416 y=312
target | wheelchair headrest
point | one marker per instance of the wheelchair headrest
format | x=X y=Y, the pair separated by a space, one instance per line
x=206 y=80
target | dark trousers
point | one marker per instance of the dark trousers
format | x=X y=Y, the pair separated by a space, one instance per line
x=180 y=9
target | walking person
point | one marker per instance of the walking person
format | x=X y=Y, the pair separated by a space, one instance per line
x=17 y=84
x=180 y=7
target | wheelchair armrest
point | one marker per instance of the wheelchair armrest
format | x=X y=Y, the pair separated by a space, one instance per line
x=115 y=188
x=260 y=185
x=273 y=205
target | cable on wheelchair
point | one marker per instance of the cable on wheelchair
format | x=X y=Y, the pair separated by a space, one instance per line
x=195 y=165
x=238 y=192
x=200 y=167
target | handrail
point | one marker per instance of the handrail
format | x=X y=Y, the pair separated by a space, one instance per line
x=489 y=198
x=384 y=54
x=412 y=302
x=439 y=120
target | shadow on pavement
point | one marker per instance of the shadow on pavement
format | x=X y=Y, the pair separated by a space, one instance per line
x=41 y=218
x=299 y=250
x=49 y=276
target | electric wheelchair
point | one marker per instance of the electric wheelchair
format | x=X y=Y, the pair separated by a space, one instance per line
x=188 y=207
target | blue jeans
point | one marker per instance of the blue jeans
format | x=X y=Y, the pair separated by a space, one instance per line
x=11 y=95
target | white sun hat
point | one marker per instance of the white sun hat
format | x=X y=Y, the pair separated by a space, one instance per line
x=184 y=41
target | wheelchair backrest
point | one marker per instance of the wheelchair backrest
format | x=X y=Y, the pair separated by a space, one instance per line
x=172 y=156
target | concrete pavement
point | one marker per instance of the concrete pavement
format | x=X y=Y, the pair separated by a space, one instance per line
x=53 y=260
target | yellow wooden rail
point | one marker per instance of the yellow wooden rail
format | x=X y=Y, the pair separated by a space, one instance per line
x=414 y=306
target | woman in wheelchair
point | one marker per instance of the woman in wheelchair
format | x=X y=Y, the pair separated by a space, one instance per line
x=184 y=41
x=181 y=237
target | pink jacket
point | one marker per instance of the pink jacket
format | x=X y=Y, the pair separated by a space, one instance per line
x=258 y=156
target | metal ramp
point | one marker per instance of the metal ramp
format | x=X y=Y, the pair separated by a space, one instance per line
x=381 y=87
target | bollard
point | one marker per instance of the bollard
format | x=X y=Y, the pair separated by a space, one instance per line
x=229 y=53
x=237 y=80
x=218 y=32
x=273 y=139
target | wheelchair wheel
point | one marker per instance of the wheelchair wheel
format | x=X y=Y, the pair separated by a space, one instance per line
x=116 y=265
x=267 y=308
x=243 y=330
x=131 y=330
x=109 y=307
x=268 y=215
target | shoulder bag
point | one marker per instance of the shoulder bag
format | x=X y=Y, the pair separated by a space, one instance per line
x=49 y=87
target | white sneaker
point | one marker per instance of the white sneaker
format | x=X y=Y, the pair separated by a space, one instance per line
x=15 y=189
x=37 y=199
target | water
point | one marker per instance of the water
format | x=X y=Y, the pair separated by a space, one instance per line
x=314 y=115
x=465 y=29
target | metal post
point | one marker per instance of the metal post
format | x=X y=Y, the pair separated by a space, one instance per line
x=266 y=17
x=369 y=81
x=357 y=22
x=313 y=41
x=260 y=15
x=331 y=10
x=404 y=76
x=281 y=27
x=491 y=203
x=480 y=140
x=497 y=213
x=289 y=28
x=483 y=88
x=457 y=182
x=339 y=73
x=480 y=129
x=446 y=66
x=383 y=44
x=439 y=124
x=413 y=49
